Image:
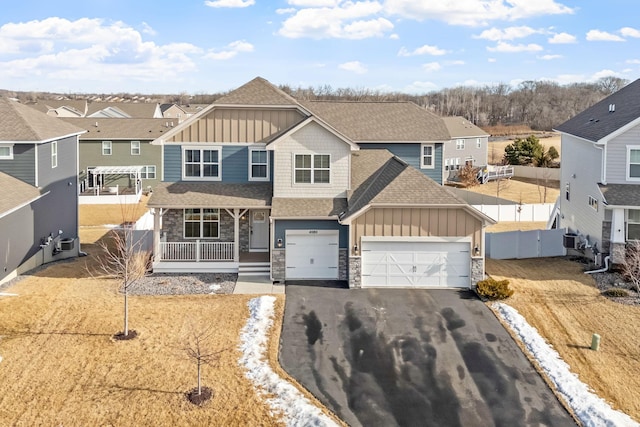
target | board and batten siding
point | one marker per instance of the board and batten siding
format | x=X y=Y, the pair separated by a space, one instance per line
x=235 y=162
x=410 y=153
x=581 y=169
x=417 y=222
x=311 y=139
x=617 y=156
x=23 y=164
x=239 y=125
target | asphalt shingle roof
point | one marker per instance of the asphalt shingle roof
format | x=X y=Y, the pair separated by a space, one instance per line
x=459 y=127
x=621 y=194
x=121 y=128
x=23 y=123
x=137 y=110
x=257 y=92
x=15 y=192
x=215 y=194
x=300 y=207
x=596 y=122
x=380 y=121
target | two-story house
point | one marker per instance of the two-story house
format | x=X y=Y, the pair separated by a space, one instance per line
x=600 y=174
x=469 y=145
x=38 y=188
x=310 y=191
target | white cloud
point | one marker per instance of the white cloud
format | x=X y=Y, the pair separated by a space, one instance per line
x=420 y=87
x=231 y=50
x=229 y=3
x=422 y=50
x=431 y=67
x=603 y=36
x=346 y=20
x=633 y=61
x=511 y=48
x=562 y=38
x=146 y=29
x=353 y=66
x=604 y=73
x=630 y=32
x=549 y=57
x=394 y=36
x=491 y=59
x=510 y=33
x=314 y=3
x=474 y=12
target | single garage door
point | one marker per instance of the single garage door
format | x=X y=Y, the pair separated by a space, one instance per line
x=312 y=254
x=415 y=264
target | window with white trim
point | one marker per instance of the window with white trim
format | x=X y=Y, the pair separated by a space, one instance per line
x=633 y=224
x=54 y=154
x=202 y=163
x=6 y=151
x=147 y=172
x=593 y=202
x=459 y=144
x=427 y=156
x=457 y=163
x=446 y=164
x=135 y=148
x=258 y=165
x=633 y=163
x=107 y=148
x=312 y=169
x=202 y=223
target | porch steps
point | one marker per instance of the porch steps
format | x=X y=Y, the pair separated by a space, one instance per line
x=254 y=269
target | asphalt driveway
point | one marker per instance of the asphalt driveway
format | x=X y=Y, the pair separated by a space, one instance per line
x=392 y=357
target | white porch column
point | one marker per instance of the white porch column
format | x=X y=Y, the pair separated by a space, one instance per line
x=157 y=215
x=617 y=226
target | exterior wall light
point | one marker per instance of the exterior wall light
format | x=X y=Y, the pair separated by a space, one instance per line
x=279 y=243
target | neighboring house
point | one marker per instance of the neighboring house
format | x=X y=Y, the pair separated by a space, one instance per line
x=469 y=145
x=259 y=182
x=38 y=189
x=124 y=110
x=117 y=152
x=61 y=108
x=600 y=175
x=173 y=111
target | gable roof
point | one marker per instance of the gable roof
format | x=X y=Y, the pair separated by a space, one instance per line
x=620 y=194
x=21 y=123
x=138 y=110
x=257 y=92
x=459 y=127
x=46 y=105
x=598 y=122
x=15 y=193
x=215 y=194
x=101 y=128
x=380 y=121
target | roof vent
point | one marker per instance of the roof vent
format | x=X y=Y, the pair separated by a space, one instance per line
x=612 y=108
x=96 y=124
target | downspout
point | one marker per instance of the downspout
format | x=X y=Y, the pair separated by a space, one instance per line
x=603 y=169
x=602 y=270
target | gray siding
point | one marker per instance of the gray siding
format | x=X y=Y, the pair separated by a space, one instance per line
x=172 y=163
x=617 y=156
x=16 y=240
x=582 y=160
x=67 y=163
x=471 y=150
x=410 y=153
x=281 y=226
x=23 y=164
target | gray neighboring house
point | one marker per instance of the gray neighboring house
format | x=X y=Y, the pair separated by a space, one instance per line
x=115 y=146
x=600 y=176
x=468 y=145
x=38 y=189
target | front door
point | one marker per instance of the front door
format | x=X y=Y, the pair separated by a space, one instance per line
x=259 y=234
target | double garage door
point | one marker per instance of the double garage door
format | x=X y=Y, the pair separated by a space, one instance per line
x=420 y=264
x=312 y=254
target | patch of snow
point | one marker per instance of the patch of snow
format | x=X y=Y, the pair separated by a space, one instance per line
x=7 y=294
x=286 y=399
x=591 y=410
x=215 y=287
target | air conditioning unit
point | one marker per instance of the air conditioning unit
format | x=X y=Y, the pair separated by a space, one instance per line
x=570 y=240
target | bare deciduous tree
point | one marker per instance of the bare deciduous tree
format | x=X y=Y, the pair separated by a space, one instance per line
x=468 y=176
x=630 y=266
x=197 y=348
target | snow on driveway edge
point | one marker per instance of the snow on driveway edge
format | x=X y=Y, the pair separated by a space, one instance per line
x=591 y=410
x=287 y=400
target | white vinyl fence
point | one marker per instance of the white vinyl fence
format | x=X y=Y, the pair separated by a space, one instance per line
x=534 y=212
x=525 y=244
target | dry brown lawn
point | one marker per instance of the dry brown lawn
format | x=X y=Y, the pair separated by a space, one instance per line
x=520 y=190
x=559 y=300
x=95 y=215
x=516 y=226
x=496 y=148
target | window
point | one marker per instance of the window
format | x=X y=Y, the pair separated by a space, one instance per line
x=54 y=154
x=202 y=163
x=147 y=172
x=478 y=142
x=202 y=223
x=593 y=202
x=258 y=165
x=633 y=224
x=446 y=164
x=6 y=151
x=312 y=169
x=459 y=144
x=457 y=163
x=633 y=163
x=567 y=192
x=426 y=156
x=135 y=148
x=106 y=148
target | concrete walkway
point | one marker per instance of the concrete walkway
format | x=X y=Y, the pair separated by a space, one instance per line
x=257 y=285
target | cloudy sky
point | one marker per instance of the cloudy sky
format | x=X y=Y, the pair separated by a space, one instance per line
x=415 y=46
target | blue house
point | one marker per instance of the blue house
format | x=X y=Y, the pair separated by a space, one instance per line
x=38 y=189
x=260 y=183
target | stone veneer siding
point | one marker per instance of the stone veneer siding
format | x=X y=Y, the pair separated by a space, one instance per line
x=279 y=265
x=618 y=252
x=173 y=224
x=477 y=271
x=355 y=272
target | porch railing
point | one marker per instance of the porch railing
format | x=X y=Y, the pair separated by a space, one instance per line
x=196 y=251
